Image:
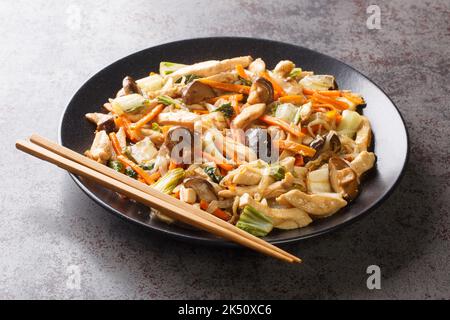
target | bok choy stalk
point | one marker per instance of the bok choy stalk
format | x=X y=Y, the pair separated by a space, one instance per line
x=169 y=181
x=350 y=122
x=254 y=222
x=166 y=100
x=128 y=103
x=166 y=68
x=286 y=112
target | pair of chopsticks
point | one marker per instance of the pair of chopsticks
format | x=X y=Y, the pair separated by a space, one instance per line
x=78 y=164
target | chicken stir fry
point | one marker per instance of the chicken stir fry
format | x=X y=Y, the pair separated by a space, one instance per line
x=258 y=148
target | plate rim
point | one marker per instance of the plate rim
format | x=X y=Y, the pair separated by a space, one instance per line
x=219 y=241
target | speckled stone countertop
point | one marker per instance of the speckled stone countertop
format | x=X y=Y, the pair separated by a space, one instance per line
x=50 y=231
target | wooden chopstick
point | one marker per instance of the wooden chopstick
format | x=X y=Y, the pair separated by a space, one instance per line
x=175 y=212
x=74 y=156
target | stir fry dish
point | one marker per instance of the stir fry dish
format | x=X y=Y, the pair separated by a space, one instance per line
x=258 y=148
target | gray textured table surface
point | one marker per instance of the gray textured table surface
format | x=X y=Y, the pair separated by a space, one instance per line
x=49 y=48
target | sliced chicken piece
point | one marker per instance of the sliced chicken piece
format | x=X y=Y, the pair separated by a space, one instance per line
x=283 y=68
x=363 y=162
x=248 y=115
x=228 y=77
x=238 y=191
x=246 y=176
x=321 y=205
x=257 y=66
x=155 y=136
x=181 y=118
x=278 y=188
x=289 y=218
x=101 y=149
x=212 y=67
x=363 y=135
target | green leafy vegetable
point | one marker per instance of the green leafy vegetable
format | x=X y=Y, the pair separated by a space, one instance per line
x=169 y=181
x=131 y=173
x=187 y=78
x=116 y=165
x=286 y=112
x=147 y=165
x=296 y=72
x=277 y=172
x=213 y=174
x=226 y=109
x=166 y=100
x=254 y=222
x=244 y=82
x=156 y=127
x=350 y=123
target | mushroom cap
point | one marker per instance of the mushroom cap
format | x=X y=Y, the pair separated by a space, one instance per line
x=202 y=187
x=196 y=92
x=261 y=91
x=343 y=178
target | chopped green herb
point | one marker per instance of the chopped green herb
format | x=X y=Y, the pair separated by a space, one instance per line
x=116 y=165
x=295 y=72
x=212 y=173
x=245 y=82
x=156 y=127
x=131 y=173
x=147 y=166
x=277 y=172
x=166 y=100
x=226 y=109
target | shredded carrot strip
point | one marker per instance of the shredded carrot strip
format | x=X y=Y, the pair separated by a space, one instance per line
x=330 y=93
x=115 y=143
x=218 y=212
x=177 y=194
x=123 y=122
x=155 y=176
x=144 y=175
x=334 y=115
x=293 y=129
x=174 y=165
x=353 y=98
x=200 y=111
x=204 y=204
x=225 y=166
x=295 y=99
x=230 y=87
x=148 y=117
x=299 y=161
x=336 y=103
x=278 y=89
x=241 y=72
x=296 y=147
x=308 y=91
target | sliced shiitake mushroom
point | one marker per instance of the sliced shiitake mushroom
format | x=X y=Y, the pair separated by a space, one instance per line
x=129 y=86
x=103 y=121
x=343 y=178
x=204 y=189
x=196 y=92
x=333 y=143
x=261 y=91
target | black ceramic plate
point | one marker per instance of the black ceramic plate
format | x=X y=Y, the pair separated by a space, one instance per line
x=391 y=140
